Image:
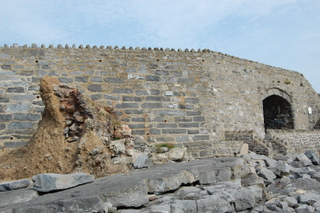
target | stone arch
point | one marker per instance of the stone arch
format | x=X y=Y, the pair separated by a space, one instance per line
x=277 y=110
x=278 y=92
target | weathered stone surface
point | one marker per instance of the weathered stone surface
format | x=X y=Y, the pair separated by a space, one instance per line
x=16 y=196
x=313 y=156
x=84 y=204
x=53 y=182
x=177 y=154
x=13 y=185
x=142 y=161
x=266 y=174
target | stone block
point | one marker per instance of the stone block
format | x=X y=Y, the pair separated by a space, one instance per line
x=54 y=182
x=13 y=185
x=65 y=80
x=26 y=117
x=138 y=119
x=151 y=105
x=134 y=111
x=174 y=131
x=154 y=98
x=91 y=203
x=183 y=119
x=20 y=125
x=81 y=79
x=193 y=132
x=6 y=67
x=182 y=139
x=96 y=79
x=200 y=137
x=2 y=126
x=155 y=132
x=4 y=100
x=167 y=125
x=192 y=100
x=152 y=78
x=162 y=72
x=141 y=92
x=188 y=125
x=193 y=113
x=95 y=88
x=26 y=73
x=137 y=126
x=127 y=106
x=111 y=97
x=113 y=80
x=142 y=161
x=22 y=97
x=54 y=73
x=4 y=118
x=15 y=144
x=138 y=132
x=96 y=97
x=172 y=113
x=132 y=98
x=15 y=90
x=122 y=91
x=199 y=118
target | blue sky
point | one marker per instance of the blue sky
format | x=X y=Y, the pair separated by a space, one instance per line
x=282 y=33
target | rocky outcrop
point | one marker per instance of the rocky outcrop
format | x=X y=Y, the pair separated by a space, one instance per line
x=251 y=183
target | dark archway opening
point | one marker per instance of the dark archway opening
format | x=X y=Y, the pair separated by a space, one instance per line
x=277 y=113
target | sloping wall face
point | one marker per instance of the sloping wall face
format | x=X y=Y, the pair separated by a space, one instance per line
x=188 y=98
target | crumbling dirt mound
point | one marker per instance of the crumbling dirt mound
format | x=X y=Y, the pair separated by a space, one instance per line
x=73 y=136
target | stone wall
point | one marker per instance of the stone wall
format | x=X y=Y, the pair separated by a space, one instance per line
x=191 y=98
x=296 y=141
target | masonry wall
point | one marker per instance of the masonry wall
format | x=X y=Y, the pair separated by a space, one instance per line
x=189 y=98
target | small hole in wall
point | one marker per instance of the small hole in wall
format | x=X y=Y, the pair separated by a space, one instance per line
x=202 y=60
x=100 y=60
x=148 y=133
x=38 y=96
x=11 y=138
x=37 y=61
x=158 y=60
x=165 y=121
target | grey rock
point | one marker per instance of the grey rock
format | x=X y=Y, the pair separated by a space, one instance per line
x=300 y=160
x=184 y=206
x=13 y=185
x=142 y=161
x=315 y=175
x=214 y=204
x=291 y=201
x=133 y=196
x=253 y=179
x=309 y=198
x=84 y=204
x=17 y=196
x=305 y=209
x=53 y=182
x=316 y=205
x=163 y=184
x=280 y=168
x=266 y=174
x=313 y=156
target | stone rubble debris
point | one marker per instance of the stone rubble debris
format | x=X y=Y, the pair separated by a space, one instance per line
x=246 y=184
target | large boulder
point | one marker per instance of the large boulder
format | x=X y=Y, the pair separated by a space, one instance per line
x=54 y=182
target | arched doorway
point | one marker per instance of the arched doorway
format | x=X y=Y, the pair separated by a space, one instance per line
x=277 y=113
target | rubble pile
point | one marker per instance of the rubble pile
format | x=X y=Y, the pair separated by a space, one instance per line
x=251 y=183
